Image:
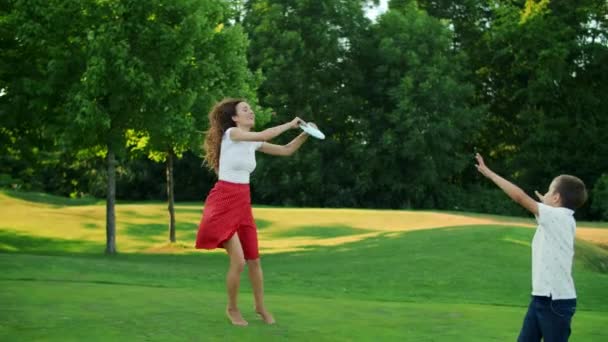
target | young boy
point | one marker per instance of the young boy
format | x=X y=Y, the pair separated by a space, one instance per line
x=553 y=296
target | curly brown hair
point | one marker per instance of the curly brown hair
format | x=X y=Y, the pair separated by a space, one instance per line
x=220 y=119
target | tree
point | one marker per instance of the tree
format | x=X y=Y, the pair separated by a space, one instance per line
x=304 y=50
x=421 y=109
x=115 y=67
x=149 y=62
x=547 y=79
x=39 y=52
x=540 y=66
x=202 y=59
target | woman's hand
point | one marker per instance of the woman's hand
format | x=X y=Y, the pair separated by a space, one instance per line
x=295 y=123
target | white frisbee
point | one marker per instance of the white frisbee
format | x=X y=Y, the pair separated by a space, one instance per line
x=306 y=127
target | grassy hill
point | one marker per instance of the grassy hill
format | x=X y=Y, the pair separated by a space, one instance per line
x=331 y=275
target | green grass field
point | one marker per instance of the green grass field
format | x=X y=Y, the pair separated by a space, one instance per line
x=331 y=275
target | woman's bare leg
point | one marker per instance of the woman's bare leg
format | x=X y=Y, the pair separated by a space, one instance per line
x=233 y=279
x=257 y=282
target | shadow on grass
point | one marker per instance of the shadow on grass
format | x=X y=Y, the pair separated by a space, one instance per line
x=432 y=248
x=21 y=243
x=262 y=224
x=154 y=232
x=58 y=201
x=93 y=226
x=137 y=215
x=320 y=232
x=187 y=231
x=593 y=256
x=189 y=211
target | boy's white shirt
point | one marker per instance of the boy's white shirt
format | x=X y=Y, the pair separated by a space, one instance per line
x=553 y=252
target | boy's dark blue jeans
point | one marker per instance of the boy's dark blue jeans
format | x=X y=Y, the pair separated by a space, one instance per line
x=547 y=319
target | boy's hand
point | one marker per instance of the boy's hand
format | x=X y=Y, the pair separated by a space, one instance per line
x=540 y=196
x=481 y=166
x=516 y=194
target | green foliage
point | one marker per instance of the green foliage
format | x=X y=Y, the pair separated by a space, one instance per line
x=422 y=115
x=599 y=201
x=404 y=101
x=478 y=198
x=129 y=73
x=203 y=60
x=7 y=181
x=540 y=67
x=556 y=101
x=304 y=49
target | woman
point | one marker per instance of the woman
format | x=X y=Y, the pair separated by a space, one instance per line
x=227 y=220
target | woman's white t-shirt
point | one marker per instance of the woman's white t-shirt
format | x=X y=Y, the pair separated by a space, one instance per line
x=237 y=159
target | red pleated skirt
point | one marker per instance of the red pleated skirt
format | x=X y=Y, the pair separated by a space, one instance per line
x=228 y=211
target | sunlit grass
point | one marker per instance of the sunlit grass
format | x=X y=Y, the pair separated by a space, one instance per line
x=144 y=226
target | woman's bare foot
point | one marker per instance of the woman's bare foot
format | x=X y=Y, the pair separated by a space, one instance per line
x=235 y=317
x=265 y=316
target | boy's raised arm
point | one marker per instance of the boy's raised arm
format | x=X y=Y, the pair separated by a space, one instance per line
x=516 y=193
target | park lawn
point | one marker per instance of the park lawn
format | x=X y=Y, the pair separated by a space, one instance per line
x=340 y=275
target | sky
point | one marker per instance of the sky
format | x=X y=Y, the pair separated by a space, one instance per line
x=376 y=11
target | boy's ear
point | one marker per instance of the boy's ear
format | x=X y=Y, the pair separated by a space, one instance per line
x=557 y=198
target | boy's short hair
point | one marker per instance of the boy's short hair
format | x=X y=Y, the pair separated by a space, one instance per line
x=571 y=190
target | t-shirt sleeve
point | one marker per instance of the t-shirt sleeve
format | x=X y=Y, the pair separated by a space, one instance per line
x=544 y=214
x=227 y=134
x=256 y=144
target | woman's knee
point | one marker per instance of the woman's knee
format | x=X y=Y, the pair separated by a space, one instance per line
x=237 y=263
x=235 y=252
x=253 y=264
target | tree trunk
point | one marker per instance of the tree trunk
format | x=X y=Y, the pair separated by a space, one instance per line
x=170 y=197
x=110 y=203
